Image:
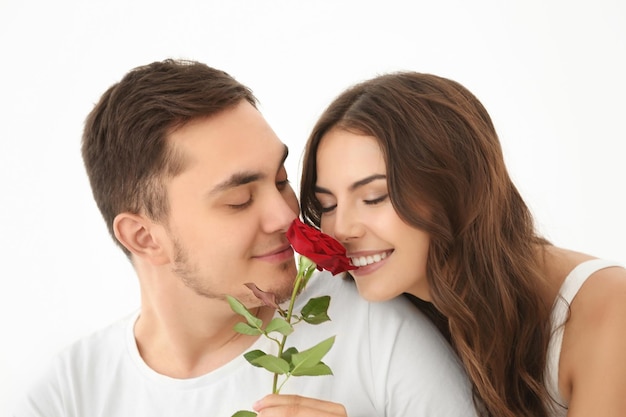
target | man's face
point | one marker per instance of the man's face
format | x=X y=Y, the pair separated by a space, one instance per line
x=231 y=206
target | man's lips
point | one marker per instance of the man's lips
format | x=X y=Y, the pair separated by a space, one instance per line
x=278 y=254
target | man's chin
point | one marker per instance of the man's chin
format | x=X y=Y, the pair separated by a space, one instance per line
x=281 y=295
x=280 y=284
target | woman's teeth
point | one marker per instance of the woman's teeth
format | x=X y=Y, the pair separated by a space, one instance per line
x=368 y=260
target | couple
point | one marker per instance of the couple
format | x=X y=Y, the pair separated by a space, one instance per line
x=406 y=171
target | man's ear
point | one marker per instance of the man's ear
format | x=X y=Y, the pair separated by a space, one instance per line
x=139 y=236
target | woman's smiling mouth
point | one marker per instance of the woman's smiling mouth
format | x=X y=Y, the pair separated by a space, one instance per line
x=360 y=261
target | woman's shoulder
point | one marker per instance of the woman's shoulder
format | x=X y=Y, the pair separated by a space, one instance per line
x=602 y=297
x=597 y=280
x=581 y=273
x=595 y=333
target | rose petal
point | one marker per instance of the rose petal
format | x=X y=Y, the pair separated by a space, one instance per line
x=323 y=249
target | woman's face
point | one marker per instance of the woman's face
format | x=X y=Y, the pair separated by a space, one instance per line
x=356 y=209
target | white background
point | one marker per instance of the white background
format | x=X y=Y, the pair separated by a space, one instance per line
x=551 y=73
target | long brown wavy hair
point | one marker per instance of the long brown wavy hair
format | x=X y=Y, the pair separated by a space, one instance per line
x=446 y=175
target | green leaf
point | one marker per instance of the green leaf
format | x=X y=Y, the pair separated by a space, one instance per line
x=272 y=364
x=312 y=356
x=315 y=310
x=253 y=355
x=320 y=369
x=287 y=354
x=236 y=305
x=240 y=309
x=244 y=328
x=243 y=413
x=279 y=325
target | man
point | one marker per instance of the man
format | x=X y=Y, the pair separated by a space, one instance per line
x=191 y=182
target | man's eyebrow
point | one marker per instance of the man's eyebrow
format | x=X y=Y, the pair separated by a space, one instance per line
x=355 y=185
x=245 y=177
x=235 y=180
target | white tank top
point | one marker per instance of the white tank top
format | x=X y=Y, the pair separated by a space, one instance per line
x=560 y=314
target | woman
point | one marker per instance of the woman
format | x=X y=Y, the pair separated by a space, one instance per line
x=407 y=172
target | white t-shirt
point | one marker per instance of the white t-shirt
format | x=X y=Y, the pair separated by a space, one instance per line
x=387 y=360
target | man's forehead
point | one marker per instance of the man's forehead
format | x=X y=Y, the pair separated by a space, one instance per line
x=235 y=142
x=220 y=170
x=255 y=170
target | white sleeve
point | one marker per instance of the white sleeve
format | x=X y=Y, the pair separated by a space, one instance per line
x=421 y=374
x=43 y=399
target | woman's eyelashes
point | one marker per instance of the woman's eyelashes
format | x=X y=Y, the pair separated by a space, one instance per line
x=377 y=200
x=327 y=207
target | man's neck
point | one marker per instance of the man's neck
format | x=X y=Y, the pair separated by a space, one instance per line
x=186 y=343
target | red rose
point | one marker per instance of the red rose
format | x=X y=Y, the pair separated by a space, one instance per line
x=324 y=250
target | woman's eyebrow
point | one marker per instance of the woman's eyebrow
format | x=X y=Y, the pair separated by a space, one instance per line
x=354 y=185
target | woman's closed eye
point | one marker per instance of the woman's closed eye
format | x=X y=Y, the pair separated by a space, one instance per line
x=377 y=200
x=327 y=209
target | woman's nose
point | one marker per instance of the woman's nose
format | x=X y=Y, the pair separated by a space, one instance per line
x=346 y=226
